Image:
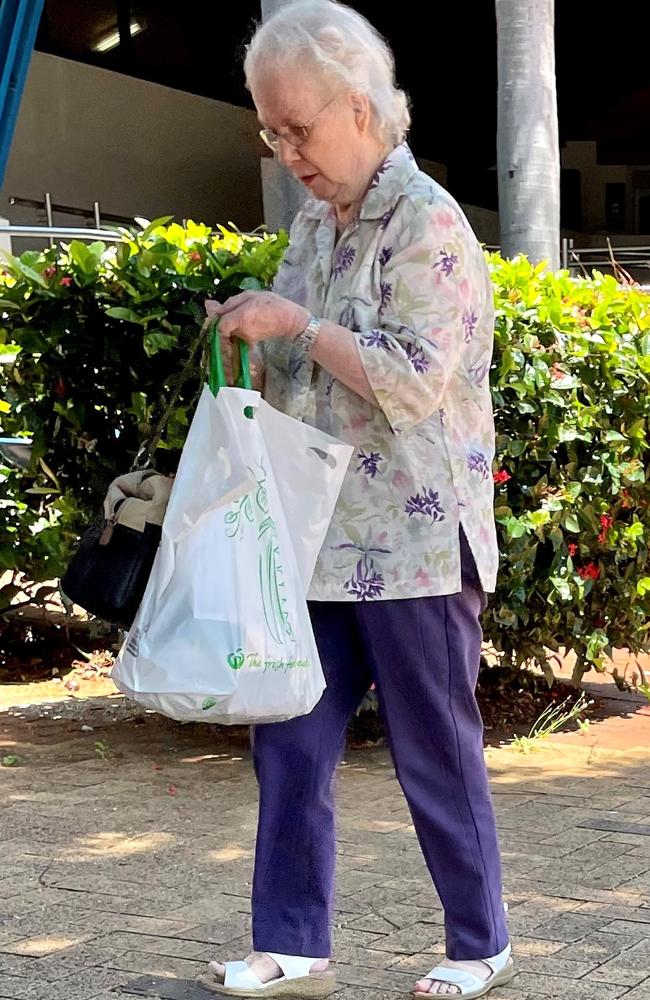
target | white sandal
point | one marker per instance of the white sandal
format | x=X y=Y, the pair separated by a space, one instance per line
x=472 y=986
x=297 y=981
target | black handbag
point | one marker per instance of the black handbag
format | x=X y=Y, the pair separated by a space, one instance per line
x=108 y=572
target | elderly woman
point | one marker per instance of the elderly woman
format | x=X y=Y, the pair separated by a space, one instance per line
x=379 y=331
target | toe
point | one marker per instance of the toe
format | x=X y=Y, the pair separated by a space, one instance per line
x=436 y=988
x=218 y=969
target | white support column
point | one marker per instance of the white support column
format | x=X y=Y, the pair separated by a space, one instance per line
x=5 y=238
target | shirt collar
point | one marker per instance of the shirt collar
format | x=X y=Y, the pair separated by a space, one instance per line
x=385 y=189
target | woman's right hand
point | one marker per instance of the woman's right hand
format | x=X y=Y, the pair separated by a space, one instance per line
x=228 y=355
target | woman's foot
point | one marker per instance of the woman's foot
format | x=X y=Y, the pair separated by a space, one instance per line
x=439 y=989
x=468 y=978
x=264 y=967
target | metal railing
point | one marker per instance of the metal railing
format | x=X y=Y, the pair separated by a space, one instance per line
x=616 y=258
x=47 y=206
x=60 y=232
x=52 y=232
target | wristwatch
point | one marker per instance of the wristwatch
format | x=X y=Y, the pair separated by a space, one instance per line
x=305 y=341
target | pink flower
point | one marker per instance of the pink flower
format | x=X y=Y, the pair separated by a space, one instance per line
x=573 y=548
x=501 y=476
x=50 y=271
x=66 y=282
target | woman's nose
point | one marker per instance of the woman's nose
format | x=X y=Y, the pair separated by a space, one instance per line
x=287 y=154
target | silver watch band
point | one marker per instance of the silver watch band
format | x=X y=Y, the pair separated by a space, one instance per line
x=305 y=341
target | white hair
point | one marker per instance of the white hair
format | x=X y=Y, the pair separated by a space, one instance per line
x=337 y=44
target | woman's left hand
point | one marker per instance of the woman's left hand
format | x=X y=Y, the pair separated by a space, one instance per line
x=257 y=316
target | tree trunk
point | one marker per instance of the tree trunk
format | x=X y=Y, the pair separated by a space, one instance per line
x=528 y=156
x=282 y=194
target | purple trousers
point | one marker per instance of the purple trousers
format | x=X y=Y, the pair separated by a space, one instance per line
x=423 y=654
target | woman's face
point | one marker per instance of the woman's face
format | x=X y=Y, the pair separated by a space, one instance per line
x=334 y=160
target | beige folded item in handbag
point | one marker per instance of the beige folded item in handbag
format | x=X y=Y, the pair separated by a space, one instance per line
x=137 y=499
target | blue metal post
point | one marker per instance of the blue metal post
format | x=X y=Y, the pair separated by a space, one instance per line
x=19 y=21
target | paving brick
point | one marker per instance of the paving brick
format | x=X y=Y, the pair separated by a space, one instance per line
x=85 y=985
x=141 y=889
x=629 y=968
x=597 y=947
x=567 y=927
x=640 y=992
x=13 y=988
x=556 y=986
x=166 y=988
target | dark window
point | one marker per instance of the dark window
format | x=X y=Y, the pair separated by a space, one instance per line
x=615 y=208
x=644 y=213
x=570 y=199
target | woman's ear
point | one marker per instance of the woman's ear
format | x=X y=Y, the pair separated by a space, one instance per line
x=361 y=109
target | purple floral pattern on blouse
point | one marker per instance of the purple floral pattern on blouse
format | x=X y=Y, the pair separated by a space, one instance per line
x=344 y=260
x=369 y=463
x=427 y=502
x=478 y=372
x=385 y=255
x=375 y=338
x=379 y=173
x=447 y=262
x=477 y=462
x=386 y=292
x=366 y=583
x=470 y=319
x=418 y=358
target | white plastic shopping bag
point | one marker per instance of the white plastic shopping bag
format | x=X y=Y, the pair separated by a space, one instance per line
x=223 y=632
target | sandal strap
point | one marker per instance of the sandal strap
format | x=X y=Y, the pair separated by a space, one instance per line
x=293 y=966
x=498 y=962
x=240 y=976
x=467 y=981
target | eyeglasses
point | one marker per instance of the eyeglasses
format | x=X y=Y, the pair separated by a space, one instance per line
x=295 y=135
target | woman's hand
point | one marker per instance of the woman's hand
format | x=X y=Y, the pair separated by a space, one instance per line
x=257 y=316
x=230 y=363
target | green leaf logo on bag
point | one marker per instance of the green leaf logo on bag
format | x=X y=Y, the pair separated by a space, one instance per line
x=208 y=704
x=236 y=660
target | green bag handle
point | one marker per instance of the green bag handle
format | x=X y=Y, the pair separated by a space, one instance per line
x=217 y=374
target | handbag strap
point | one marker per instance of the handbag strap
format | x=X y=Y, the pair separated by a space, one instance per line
x=146 y=451
x=216 y=380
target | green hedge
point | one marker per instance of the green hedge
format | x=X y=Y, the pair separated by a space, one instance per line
x=95 y=340
x=570 y=385
x=94 y=343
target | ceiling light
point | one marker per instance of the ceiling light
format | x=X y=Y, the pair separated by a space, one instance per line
x=112 y=40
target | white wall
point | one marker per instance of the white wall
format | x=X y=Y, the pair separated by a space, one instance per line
x=87 y=134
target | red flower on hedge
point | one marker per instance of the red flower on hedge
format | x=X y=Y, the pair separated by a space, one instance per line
x=606 y=521
x=573 y=548
x=195 y=256
x=589 y=572
x=50 y=271
x=66 y=282
x=501 y=476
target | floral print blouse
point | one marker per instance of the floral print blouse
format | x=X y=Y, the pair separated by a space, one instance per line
x=410 y=279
